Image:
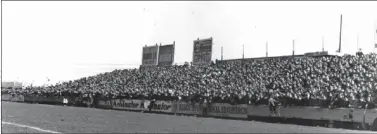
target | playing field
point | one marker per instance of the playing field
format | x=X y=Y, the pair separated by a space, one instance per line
x=34 y=118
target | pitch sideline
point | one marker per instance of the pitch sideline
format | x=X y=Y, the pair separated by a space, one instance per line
x=31 y=127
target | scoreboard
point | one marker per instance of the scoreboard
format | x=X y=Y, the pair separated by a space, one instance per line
x=202 y=51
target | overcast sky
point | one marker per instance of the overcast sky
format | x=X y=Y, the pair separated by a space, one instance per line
x=65 y=40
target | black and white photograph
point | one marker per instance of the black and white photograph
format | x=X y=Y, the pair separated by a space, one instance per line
x=122 y=66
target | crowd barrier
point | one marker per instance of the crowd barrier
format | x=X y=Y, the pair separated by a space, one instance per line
x=216 y=110
x=341 y=117
x=106 y=104
x=140 y=105
x=228 y=110
x=187 y=108
x=125 y=104
x=56 y=100
x=12 y=97
x=44 y=99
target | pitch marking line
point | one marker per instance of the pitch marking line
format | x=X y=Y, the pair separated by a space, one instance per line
x=31 y=127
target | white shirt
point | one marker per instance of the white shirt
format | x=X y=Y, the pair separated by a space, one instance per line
x=272 y=101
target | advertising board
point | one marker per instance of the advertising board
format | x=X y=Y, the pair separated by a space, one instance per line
x=129 y=104
x=188 y=108
x=162 y=106
x=104 y=104
x=228 y=110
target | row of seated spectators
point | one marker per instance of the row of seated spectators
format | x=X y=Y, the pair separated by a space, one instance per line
x=329 y=81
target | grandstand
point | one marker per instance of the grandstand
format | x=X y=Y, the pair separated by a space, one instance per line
x=233 y=89
x=313 y=92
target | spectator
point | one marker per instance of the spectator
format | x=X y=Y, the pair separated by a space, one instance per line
x=328 y=81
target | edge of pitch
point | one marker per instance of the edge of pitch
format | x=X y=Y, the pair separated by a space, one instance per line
x=31 y=127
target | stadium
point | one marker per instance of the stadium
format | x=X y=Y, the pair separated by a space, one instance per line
x=313 y=90
x=310 y=92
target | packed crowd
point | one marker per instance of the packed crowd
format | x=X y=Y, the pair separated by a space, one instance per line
x=329 y=81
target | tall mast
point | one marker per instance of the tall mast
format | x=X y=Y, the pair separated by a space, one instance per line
x=340 y=34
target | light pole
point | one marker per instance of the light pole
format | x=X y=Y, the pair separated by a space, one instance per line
x=323 y=44
x=243 y=51
x=266 y=49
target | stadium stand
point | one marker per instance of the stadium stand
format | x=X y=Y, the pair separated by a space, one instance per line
x=325 y=81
